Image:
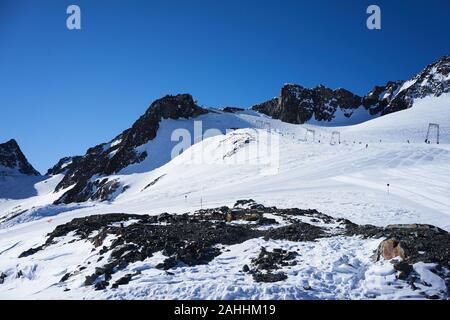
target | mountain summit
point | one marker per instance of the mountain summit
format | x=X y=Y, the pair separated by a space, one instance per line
x=111 y=157
x=322 y=105
x=13 y=161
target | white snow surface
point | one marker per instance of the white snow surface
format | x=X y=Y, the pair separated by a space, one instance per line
x=346 y=180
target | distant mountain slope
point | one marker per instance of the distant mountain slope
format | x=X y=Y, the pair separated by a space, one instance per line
x=325 y=106
x=13 y=161
x=147 y=145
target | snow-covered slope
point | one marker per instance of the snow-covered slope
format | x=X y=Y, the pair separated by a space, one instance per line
x=329 y=177
x=410 y=124
x=274 y=163
x=169 y=126
x=303 y=173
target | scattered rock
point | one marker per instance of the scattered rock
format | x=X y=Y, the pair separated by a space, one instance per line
x=168 y=263
x=297 y=231
x=101 y=285
x=269 y=277
x=404 y=268
x=122 y=281
x=275 y=259
x=65 y=277
x=153 y=182
x=90 y=280
x=30 y=252
x=245 y=204
x=2 y=277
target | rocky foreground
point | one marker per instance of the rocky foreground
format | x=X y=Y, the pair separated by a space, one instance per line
x=120 y=240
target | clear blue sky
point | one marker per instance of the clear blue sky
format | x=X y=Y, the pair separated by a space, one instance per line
x=63 y=91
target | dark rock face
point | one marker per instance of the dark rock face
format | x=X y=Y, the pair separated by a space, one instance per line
x=380 y=97
x=269 y=277
x=12 y=159
x=269 y=261
x=109 y=158
x=434 y=80
x=64 y=165
x=232 y=109
x=271 y=108
x=320 y=102
x=298 y=105
x=2 y=277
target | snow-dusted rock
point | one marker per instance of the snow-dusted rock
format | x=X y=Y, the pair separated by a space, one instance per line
x=13 y=161
x=326 y=106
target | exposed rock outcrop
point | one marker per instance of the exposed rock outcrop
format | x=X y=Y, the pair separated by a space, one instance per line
x=13 y=161
x=296 y=104
x=64 y=165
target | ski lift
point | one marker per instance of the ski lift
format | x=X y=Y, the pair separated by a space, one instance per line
x=309 y=133
x=432 y=127
x=335 y=138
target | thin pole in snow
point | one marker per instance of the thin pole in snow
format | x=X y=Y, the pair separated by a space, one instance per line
x=201 y=198
x=388 y=185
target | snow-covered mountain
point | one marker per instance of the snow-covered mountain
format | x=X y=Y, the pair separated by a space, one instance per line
x=80 y=172
x=325 y=106
x=338 y=212
x=17 y=175
x=13 y=162
x=141 y=252
x=147 y=145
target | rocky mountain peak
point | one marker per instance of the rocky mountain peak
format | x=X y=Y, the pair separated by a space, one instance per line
x=13 y=161
x=63 y=165
x=297 y=104
x=434 y=80
x=111 y=157
x=175 y=107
